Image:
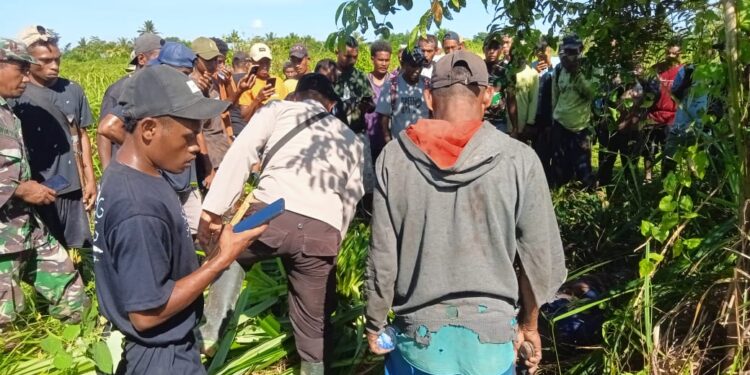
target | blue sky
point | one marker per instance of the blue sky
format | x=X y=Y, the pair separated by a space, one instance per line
x=189 y=19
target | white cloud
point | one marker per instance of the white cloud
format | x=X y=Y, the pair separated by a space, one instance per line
x=257 y=24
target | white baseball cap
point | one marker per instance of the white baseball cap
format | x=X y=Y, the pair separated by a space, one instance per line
x=259 y=51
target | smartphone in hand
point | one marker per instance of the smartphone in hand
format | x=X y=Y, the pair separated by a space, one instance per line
x=57 y=183
x=254 y=70
x=272 y=82
x=261 y=217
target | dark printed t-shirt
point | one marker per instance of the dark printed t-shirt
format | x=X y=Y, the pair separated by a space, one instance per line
x=110 y=105
x=142 y=246
x=47 y=141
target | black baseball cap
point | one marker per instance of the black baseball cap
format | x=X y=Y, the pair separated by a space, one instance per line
x=164 y=91
x=415 y=57
x=571 y=41
x=144 y=43
x=319 y=83
x=442 y=75
x=298 y=50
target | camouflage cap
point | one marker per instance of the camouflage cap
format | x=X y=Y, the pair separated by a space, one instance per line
x=13 y=50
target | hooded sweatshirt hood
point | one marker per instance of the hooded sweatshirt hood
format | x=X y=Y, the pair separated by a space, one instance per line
x=450 y=154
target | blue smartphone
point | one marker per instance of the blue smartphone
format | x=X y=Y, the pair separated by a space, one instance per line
x=261 y=217
x=57 y=183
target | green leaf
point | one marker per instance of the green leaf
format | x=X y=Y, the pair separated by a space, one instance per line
x=659 y=233
x=339 y=10
x=63 y=361
x=692 y=243
x=646 y=227
x=407 y=4
x=677 y=248
x=686 y=179
x=51 y=345
x=690 y=215
x=102 y=357
x=669 y=221
x=614 y=113
x=670 y=183
x=645 y=267
x=686 y=203
x=71 y=332
x=667 y=204
x=656 y=257
x=701 y=163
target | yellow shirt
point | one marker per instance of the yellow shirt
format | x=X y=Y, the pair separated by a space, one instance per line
x=291 y=85
x=250 y=95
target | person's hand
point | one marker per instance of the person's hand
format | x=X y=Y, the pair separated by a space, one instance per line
x=35 y=193
x=246 y=82
x=530 y=335
x=266 y=93
x=223 y=75
x=89 y=196
x=209 y=229
x=209 y=179
x=204 y=82
x=541 y=66
x=372 y=341
x=231 y=244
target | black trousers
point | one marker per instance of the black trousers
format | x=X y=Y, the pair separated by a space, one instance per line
x=572 y=155
x=612 y=144
x=308 y=249
x=67 y=221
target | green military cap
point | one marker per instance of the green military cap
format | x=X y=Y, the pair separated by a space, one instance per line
x=205 y=48
x=13 y=50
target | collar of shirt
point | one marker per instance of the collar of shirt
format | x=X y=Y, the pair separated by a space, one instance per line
x=3 y=102
x=315 y=103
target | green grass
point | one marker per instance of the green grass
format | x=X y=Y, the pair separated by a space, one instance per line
x=602 y=232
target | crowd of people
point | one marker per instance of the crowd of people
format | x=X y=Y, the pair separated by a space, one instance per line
x=452 y=156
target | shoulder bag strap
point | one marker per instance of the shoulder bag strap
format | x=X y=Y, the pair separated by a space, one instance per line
x=289 y=136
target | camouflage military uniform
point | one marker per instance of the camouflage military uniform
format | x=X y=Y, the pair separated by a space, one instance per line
x=27 y=251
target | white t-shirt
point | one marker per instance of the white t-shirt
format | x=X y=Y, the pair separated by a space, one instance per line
x=409 y=104
x=427 y=71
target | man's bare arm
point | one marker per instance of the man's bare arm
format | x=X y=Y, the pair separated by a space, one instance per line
x=189 y=288
x=112 y=128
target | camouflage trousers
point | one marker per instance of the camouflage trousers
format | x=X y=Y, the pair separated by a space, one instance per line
x=49 y=269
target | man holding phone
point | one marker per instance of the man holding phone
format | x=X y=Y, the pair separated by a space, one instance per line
x=266 y=87
x=572 y=95
x=148 y=280
x=24 y=240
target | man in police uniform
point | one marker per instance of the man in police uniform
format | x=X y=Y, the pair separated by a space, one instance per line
x=27 y=250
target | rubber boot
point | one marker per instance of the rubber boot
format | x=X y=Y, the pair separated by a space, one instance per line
x=312 y=368
x=219 y=306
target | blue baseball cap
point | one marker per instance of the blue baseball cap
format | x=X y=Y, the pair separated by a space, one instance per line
x=176 y=55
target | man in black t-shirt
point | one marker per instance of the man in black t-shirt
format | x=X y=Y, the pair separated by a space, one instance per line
x=47 y=109
x=146 y=48
x=148 y=280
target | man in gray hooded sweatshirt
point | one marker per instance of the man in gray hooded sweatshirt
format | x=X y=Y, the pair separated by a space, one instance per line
x=456 y=202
